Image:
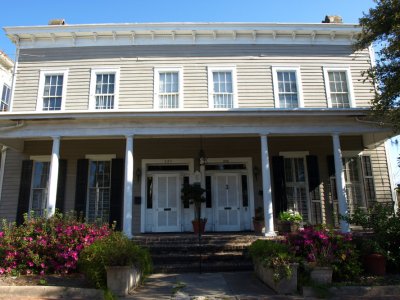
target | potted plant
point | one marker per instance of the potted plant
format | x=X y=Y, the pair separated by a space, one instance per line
x=258 y=220
x=289 y=221
x=193 y=193
x=373 y=255
x=275 y=265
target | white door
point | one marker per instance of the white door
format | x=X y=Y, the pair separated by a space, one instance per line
x=167 y=203
x=226 y=193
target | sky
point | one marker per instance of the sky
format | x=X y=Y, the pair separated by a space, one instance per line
x=39 y=12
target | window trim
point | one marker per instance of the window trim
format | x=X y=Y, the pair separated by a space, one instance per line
x=327 y=69
x=210 y=70
x=92 y=89
x=157 y=71
x=275 y=70
x=42 y=75
x=40 y=159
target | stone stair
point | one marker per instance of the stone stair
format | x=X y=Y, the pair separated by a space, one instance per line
x=174 y=253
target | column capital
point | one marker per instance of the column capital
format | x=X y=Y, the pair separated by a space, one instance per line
x=333 y=134
x=56 y=137
x=266 y=133
x=129 y=135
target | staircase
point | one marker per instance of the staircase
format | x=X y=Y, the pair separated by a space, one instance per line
x=174 y=253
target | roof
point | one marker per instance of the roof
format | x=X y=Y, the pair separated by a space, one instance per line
x=5 y=61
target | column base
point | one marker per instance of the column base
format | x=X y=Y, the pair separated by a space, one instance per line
x=270 y=234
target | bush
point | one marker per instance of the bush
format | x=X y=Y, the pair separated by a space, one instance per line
x=274 y=255
x=324 y=247
x=385 y=225
x=114 y=250
x=46 y=245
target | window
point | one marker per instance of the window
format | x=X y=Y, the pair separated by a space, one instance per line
x=287 y=87
x=338 y=87
x=222 y=89
x=104 y=86
x=5 y=98
x=99 y=191
x=39 y=187
x=168 y=88
x=52 y=90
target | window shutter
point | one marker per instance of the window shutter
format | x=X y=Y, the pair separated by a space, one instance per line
x=62 y=176
x=368 y=178
x=24 y=190
x=331 y=165
x=81 y=186
x=117 y=191
x=313 y=187
x=278 y=171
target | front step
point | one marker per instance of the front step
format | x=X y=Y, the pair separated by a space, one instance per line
x=173 y=253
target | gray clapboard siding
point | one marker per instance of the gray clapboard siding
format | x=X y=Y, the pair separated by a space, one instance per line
x=136 y=63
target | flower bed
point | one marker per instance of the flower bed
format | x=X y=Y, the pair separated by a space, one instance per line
x=46 y=245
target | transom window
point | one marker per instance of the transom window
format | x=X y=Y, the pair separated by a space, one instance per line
x=287 y=87
x=222 y=88
x=168 y=88
x=5 y=98
x=52 y=90
x=338 y=88
x=99 y=191
x=105 y=91
x=52 y=93
x=39 y=188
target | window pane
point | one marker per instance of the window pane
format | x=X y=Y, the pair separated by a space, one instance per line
x=104 y=93
x=339 y=89
x=223 y=89
x=5 y=98
x=169 y=90
x=287 y=89
x=52 y=92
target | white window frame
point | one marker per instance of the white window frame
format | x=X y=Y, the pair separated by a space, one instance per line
x=42 y=159
x=211 y=70
x=157 y=72
x=350 y=89
x=3 y=86
x=42 y=76
x=92 y=90
x=275 y=70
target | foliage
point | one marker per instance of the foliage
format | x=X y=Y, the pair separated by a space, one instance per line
x=193 y=193
x=274 y=255
x=45 y=245
x=114 y=250
x=381 y=26
x=258 y=214
x=385 y=225
x=324 y=247
x=290 y=216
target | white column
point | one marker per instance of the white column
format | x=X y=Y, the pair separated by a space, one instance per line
x=53 y=180
x=128 y=187
x=340 y=182
x=267 y=192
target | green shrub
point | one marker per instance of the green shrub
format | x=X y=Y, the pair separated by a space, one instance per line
x=274 y=255
x=113 y=250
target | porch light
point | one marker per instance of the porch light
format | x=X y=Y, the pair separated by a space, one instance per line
x=202 y=154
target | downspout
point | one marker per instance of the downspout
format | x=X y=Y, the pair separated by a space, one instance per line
x=14 y=75
x=2 y=168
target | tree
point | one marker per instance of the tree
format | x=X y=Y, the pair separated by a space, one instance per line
x=381 y=28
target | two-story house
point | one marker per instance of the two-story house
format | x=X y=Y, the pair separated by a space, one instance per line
x=111 y=119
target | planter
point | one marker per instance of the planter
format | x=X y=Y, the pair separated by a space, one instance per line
x=285 y=227
x=122 y=279
x=258 y=226
x=199 y=226
x=321 y=275
x=375 y=264
x=283 y=286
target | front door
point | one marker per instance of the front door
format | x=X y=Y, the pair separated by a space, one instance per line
x=226 y=193
x=167 y=203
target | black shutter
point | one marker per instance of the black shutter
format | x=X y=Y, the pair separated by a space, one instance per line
x=81 y=186
x=331 y=165
x=24 y=190
x=278 y=171
x=62 y=176
x=313 y=177
x=117 y=191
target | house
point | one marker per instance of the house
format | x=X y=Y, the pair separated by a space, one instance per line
x=6 y=66
x=111 y=119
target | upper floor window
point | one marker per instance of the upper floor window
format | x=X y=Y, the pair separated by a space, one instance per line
x=104 y=89
x=52 y=90
x=168 y=88
x=222 y=87
x=338 y=87
x=287 y=87
x=5 y=98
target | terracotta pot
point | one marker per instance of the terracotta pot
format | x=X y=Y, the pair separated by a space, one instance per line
x=288 y=227
x=258 y=226
x=375 y=264
x=199 y=226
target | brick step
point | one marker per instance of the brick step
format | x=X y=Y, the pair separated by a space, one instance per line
x=184 y=249
x=194 y=242
x=205 y=267
x=232 y=257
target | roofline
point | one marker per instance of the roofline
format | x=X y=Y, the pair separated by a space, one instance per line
x=6 y=61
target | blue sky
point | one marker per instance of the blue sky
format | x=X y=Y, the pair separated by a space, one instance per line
x=38 y=12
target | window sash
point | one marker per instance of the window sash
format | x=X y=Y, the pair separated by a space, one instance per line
x=287 y=89
x=105 y=90
x=53 y=91
x=168 y=89
x=5 y=98
x=39 y=188
x=222 y=89
x=339 y=91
